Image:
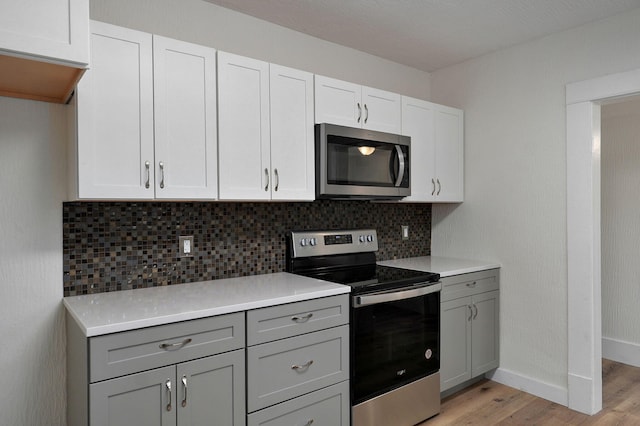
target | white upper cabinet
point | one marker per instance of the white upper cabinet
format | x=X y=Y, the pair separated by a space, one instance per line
x=44 y=45
x=185 y=120
x=347 y=104
x=292 y=136
x=417 y=123
x=265 y=121
x=243 y=128
x=117 y=154
x=437 y=151
x=449 y=134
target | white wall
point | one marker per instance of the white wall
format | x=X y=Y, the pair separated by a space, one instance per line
x=32 y=187
x=201 y=22
x=620 y=128
x=515 y=182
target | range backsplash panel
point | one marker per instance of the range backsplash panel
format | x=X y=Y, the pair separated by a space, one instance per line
x=111 y=246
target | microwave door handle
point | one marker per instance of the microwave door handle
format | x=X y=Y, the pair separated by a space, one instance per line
x=401 y=166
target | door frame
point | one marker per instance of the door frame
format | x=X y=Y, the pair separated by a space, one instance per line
x=583 y=233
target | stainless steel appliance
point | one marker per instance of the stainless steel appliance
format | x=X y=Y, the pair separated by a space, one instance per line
x=395 y=325
x=359 y=163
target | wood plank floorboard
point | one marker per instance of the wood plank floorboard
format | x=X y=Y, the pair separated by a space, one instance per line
x=491 y=403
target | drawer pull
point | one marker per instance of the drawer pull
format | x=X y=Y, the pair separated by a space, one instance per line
x=303 y=366
x=472 y=284
x=175 y=346
x=303 y=318
x=309 y=422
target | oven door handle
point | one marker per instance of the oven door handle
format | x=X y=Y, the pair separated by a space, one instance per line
x=391 y=296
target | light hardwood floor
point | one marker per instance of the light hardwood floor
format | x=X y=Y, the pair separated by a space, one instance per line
x=490 y=403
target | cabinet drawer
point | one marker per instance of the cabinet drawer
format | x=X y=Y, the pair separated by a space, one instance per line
x=465 y=285
x=328 y=406
x=129 y=352
x=279 y=322
x=284 y=369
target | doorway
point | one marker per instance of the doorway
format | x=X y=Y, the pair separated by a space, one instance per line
x=583 y=233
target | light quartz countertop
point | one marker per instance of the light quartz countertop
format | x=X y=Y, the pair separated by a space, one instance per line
x=445 y=266
x=105 y=313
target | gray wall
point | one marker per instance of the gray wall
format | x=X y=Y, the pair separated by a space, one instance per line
x=515 y=182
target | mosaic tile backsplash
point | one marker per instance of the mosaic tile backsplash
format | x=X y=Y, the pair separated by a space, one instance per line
x=121 y=245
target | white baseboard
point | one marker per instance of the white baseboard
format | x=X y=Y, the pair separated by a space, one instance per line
x=620 y=351
x=535 y=387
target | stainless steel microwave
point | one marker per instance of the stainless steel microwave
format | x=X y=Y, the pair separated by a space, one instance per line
x=360 y=163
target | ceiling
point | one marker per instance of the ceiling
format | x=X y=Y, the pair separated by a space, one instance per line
x=429 y=34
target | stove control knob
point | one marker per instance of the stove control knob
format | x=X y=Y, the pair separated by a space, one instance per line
x=313 y=241
x=361 y=239
x=303 y=242
x=370 y=238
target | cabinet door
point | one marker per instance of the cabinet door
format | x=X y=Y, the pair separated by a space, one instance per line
x=417 y=123
x=56 y=30
x=243 y=128
x=292 y=136
x=212 y=388
x=338 y=102
x=455 y=342
x=449 y=154
x=185 y=120
x=381 y=110
x=115 y=116
x=143 y=399
x=485 y=340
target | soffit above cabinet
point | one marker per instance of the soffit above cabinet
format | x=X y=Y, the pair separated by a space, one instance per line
x=44 y=48
x=40 y=81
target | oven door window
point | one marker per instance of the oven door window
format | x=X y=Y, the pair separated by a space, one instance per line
x=364 y=163
x=394 y=343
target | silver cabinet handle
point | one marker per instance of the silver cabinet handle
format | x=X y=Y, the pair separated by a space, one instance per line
x=146 y=166
x=266 y=176
x=433 y=182
x=303 y=318
x=168 y=386
x=475 y=314
x=366 y=112
x=184 y=388
x=359 y=112
x=173 y=346
x=161 y=174
x=275 y=171
x=470 y=312
x=303 y=366
x=471 y=284
x=438 y=180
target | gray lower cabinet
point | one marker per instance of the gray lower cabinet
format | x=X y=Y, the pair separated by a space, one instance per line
x=298 y=363
x=469 y=339
x=292 y=358
x=179 y=374
x=191 y=393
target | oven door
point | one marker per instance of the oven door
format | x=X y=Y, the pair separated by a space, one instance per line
x=395 y=339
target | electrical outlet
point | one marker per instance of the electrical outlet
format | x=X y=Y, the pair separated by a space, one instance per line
x=186 y=246
x=405 y=232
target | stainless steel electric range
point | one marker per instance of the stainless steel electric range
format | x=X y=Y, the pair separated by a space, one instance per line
x=395 y=325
